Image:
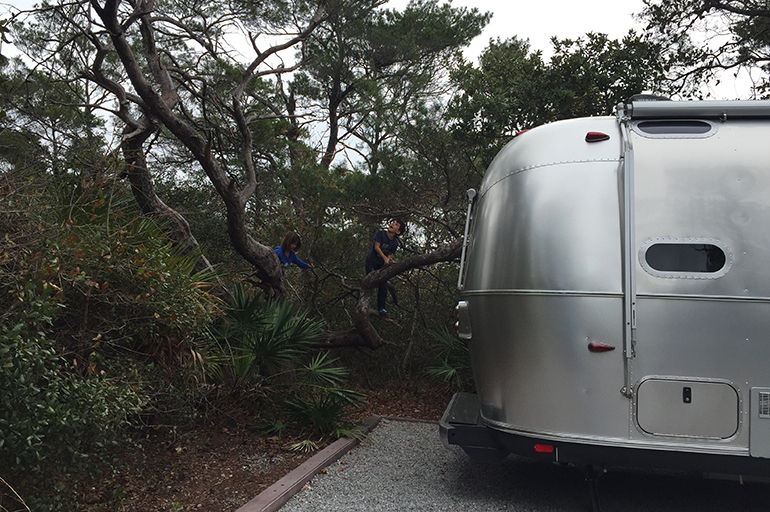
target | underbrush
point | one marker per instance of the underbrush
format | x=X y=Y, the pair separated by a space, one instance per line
x=109 y=339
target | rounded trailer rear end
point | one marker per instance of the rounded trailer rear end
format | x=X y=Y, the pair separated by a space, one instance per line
x=615 y=292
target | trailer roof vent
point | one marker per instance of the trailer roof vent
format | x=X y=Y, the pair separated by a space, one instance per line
x=675 y=128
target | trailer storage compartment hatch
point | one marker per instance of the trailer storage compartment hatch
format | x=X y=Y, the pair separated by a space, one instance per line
x=687 y=408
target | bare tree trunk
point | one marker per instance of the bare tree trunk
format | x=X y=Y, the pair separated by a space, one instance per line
x=144 y=192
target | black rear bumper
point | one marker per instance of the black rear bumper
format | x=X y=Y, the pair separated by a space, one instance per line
x=461 y=425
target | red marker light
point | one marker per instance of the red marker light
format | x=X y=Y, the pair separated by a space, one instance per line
x=600 y=347
x=544 y=448
x=596 y=137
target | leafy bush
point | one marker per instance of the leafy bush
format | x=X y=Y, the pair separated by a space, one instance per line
x=47 y=407
x=94 y=303
x=130 y=284
x=319 y=405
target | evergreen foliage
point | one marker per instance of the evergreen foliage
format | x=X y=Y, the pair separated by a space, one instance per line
x=48 y=408
x=454 y=365
x=703 y=39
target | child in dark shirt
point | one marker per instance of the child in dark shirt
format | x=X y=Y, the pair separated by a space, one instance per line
x=381 y=254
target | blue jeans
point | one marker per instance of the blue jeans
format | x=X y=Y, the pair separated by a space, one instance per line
x=382 y=288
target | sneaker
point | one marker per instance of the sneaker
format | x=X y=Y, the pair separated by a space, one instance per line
x=384 y=312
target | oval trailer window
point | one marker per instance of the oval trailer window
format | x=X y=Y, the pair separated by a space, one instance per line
x=684 y=257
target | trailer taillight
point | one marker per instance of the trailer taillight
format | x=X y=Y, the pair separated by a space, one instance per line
x=544 y=448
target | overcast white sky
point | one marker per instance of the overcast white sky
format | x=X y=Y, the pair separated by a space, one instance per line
x=539 y=20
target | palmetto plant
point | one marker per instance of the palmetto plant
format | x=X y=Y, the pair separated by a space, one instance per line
x=269 y=345
x=265 y=339
x=319 y=405
x=454 y=364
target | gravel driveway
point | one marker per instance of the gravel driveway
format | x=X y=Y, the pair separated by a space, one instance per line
x=404 y=467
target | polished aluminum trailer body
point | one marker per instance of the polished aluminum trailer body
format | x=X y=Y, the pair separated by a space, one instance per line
x=615 y=287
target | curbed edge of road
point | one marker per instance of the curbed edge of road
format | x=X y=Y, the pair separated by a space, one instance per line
x=276 y=496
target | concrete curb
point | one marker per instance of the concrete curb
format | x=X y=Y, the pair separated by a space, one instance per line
x=276 y=496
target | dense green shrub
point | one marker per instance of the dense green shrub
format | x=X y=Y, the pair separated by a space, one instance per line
x=47 y=406
x=319 y=404
x=99 y=315
x=120 y=280
x=127 y=283
x=261 y=340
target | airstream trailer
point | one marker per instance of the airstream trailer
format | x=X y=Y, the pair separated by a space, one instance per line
x=615 y=292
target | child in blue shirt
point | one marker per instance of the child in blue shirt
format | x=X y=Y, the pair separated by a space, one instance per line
x=287 y=251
